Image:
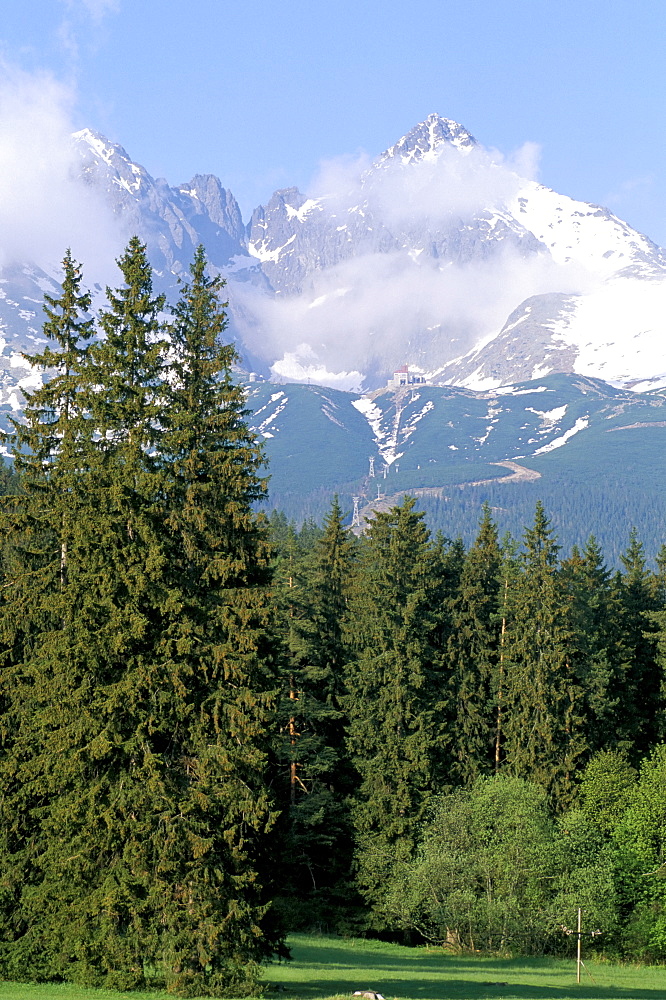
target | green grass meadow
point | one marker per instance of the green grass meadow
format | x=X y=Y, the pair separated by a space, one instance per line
x=331 y=967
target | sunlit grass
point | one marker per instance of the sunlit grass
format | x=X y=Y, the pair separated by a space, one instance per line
x=325 y=967
x=335 y=967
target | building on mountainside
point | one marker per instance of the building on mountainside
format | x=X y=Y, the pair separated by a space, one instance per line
x=403 y=376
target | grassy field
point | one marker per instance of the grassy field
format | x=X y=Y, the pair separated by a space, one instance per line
x=328 y=967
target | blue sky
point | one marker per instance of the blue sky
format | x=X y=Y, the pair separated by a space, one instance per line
x=260 y=92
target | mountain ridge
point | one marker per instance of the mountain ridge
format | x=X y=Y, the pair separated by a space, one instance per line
x=438 y=255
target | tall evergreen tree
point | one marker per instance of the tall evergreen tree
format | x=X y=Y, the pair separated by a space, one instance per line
x=598 y=653
x=642 y=704
x=543 y=721
x=143 y=756
x=218 y=652
x=474 y=652
x=38 y=523
x=396 y=691
x=660 y=560
x=510 y=575
x=314 y=601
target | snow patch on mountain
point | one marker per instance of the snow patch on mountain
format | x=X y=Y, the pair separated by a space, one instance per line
x=412 y=422
x=262 y=428
x=549 y=417
x=300 y=213
x=385 y=438
x=620 y=331
x=588 y=234
x=580 y=424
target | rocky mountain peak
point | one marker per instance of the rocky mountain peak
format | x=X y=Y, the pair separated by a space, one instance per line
x=204 y=195
x=426 y=140
x=96 y=151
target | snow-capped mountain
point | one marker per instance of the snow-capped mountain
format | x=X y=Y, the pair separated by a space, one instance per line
x=434 y=219
x=438 y=254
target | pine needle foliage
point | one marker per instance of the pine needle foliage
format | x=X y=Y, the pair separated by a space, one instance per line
x=395 y=690
x=136 y=814
x=543 y=727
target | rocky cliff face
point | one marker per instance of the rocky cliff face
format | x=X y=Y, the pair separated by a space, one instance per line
x=172 y=220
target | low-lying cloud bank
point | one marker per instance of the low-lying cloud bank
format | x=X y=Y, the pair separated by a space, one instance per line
x=373 y=311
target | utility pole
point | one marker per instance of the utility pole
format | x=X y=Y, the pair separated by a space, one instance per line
x=578 y=935
x=356 y=518
x=580 y=964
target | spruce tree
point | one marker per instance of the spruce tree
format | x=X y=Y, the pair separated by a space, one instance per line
x=83 y=912
x=509 y=577
x=143 y=760
x=218 y=653
x=316 y=775
x=660 y=560
x=643 y=701
x=38 y=523
x=474 y=652
x=598 y=653
x=543 y=735
x=396 y=692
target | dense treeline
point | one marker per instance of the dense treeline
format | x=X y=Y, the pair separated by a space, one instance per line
x=580 y=501
x=498 y=749
x=214 y=726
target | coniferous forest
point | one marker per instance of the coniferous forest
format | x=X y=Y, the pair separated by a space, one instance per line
x=218 y=726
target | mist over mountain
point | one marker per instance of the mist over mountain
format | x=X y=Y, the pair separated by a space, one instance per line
x=439 y=254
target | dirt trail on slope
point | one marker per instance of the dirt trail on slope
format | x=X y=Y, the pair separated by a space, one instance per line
x=519 y=474
x=641 y=423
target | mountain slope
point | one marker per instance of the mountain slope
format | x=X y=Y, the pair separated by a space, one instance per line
x=591 y=451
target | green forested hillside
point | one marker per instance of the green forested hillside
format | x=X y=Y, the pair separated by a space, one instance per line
x=596 y=452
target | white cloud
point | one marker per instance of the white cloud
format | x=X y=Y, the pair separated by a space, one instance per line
x=44 y=205
x=433 y=191
x=368 y=312
x=428 y=190
x=339 y=179
x=82 y=26
x=302 y=365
